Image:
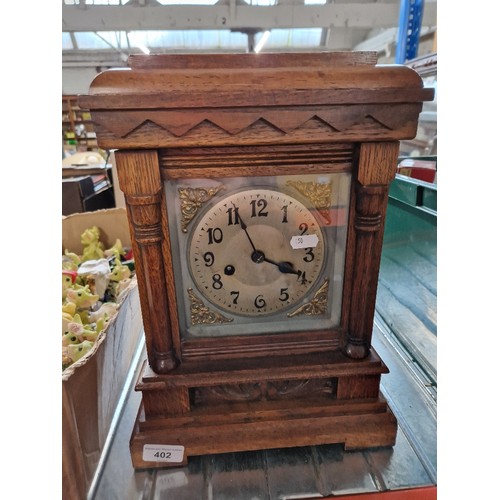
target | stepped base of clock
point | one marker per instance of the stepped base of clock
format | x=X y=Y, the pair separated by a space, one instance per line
x=355 y=414
x=357 y=425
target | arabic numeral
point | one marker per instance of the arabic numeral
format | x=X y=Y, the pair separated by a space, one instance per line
x=284 y=295
x=259 y=302
x=163 y=454
x=235 y=297
x=216 y=282
x=262 y=204
x=284 y=208
x=301 y=276
x=232 y=213
x=214 y=235
x=309 y=255
x=209 y=258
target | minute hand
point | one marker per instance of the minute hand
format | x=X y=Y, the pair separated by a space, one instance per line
x=244 y=227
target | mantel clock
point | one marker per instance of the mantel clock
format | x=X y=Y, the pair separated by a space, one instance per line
x=256 y=189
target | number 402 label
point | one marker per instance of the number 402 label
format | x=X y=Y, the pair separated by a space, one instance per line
x=162 y=453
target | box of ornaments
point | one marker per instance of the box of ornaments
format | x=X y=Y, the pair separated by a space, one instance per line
x=101 y=336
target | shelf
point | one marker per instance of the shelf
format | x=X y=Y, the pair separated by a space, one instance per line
x=85 y=170
x=77 y=121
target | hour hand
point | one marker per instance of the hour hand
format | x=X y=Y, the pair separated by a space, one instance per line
x=283 y=267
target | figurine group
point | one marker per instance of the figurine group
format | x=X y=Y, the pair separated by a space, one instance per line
x=91 y=288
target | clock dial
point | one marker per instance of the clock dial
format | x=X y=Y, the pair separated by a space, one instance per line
x=256 y=252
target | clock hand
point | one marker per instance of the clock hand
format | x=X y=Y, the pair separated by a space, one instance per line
x=244 y=227
x=283 y=267
x=258 y=256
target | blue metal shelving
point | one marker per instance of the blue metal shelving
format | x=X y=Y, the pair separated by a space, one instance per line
x=410 y=23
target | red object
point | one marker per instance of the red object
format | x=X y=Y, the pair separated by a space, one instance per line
x=425 y=493
x=73 y=275
x=424 y=170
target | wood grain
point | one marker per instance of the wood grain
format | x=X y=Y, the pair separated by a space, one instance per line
x=214 y=116
x=139 y=174
x=195 y=61
x=377 y=163
x=293 y=426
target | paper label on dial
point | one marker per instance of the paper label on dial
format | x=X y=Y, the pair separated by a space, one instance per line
x=304 y=241
x=162 y=453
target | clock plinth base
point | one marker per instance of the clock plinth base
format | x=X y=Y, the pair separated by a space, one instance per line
x=277 y=413
x=357 y=425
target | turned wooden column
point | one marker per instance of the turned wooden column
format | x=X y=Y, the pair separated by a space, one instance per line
x=376 y=168
x=139 y=176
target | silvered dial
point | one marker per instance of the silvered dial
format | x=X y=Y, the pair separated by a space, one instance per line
x=256 y=252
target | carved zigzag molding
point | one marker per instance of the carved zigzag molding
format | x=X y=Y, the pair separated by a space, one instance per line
x=179 y=123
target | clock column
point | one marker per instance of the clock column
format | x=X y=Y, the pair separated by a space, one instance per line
x=376 y=169
x=139 y=176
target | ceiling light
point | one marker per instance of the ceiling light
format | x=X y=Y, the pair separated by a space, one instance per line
x=136 y=43
x=262 y=41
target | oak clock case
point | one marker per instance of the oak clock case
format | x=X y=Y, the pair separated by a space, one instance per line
x=256 y=190
x=258 y=254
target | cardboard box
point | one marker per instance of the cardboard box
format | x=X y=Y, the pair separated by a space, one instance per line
x=92 y=386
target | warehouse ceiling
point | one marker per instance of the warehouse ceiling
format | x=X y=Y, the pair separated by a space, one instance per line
x=103 y=33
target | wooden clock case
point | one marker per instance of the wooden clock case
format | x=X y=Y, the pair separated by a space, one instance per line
x=257 y=114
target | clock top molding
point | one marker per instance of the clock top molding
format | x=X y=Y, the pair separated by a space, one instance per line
x=254 y=99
